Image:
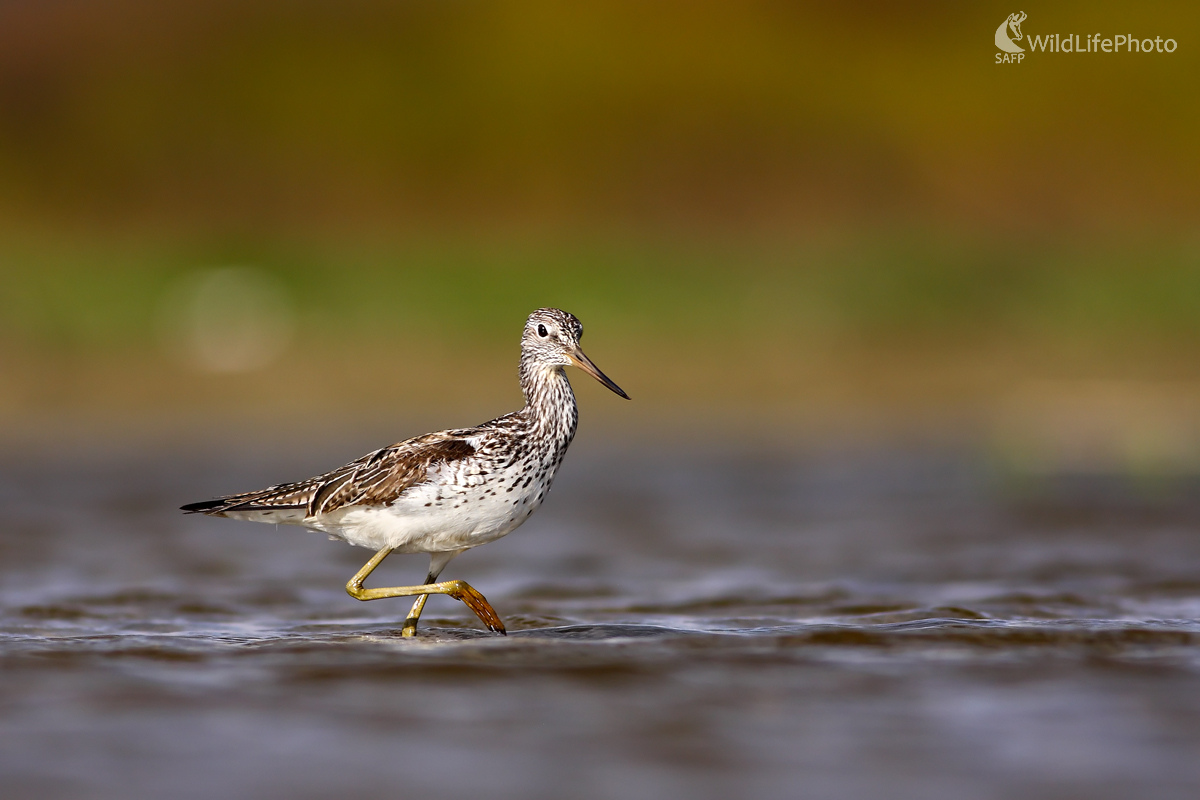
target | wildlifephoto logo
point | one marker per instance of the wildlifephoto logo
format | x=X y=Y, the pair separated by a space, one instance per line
x=1013 y=23
x=1009 y=33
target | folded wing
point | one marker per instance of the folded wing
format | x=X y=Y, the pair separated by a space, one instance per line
x=376 y=479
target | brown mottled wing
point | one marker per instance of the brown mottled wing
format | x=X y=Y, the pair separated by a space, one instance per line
x=378 y=478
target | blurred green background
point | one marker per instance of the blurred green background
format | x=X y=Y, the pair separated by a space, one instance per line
x=820 y=219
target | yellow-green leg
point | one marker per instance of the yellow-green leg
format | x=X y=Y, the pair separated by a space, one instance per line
x=410 y=623
x=459 y=590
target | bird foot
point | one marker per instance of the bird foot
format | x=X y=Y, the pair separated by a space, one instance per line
x=472 y=599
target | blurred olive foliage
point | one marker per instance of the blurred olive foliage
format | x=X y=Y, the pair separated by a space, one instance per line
x=750 y=189
x=744 y=116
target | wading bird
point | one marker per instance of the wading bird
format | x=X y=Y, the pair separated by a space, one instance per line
x=446 y=492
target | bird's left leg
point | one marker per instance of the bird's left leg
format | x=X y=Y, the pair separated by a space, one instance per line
x=459 y=590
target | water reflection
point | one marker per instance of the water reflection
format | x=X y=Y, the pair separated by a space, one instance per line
x=899 y=623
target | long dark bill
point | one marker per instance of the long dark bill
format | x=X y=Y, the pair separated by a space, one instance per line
x=585 y=364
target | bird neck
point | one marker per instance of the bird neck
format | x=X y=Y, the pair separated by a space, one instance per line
x=549 y=401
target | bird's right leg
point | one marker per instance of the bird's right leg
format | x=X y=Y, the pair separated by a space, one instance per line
x=459 y=590
x=437 y=563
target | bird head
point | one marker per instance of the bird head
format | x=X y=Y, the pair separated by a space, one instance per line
x=551 y=338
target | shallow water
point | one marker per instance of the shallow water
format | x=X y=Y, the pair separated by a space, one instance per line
x=837 y=623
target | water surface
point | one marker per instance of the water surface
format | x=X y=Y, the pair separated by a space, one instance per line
x=722 y=621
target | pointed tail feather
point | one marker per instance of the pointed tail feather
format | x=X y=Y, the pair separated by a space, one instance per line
x=203 y=507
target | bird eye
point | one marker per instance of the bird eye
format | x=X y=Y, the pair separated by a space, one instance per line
x=542 y=331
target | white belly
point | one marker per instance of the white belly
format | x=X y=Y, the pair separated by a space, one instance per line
x=450 y=512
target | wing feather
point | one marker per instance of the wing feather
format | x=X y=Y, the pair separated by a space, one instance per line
x=377 y=479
